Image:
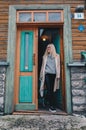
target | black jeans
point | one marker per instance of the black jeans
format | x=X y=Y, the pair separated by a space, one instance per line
x=49 y=81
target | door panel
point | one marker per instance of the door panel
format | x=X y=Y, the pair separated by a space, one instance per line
x=26 y=51
x=26 y=65
x=25 y=89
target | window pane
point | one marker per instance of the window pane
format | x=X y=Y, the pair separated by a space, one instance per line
x=54 y=16
x=24 y=17
x=39 y=17
x=26 y=50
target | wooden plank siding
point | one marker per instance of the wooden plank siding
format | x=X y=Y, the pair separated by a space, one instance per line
x=78 y=38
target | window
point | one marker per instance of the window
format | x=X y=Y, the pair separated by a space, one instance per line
x=54 y=16
x=25 y=17
x=40 y=16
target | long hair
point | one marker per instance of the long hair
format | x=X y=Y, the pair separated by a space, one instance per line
x=53 y=50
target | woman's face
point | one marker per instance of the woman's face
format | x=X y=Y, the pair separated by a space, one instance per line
x=49 y=49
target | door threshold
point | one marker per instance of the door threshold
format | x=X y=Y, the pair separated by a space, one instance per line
x=39 y=112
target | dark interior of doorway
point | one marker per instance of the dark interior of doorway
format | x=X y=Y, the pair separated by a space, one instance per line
x=45 y=37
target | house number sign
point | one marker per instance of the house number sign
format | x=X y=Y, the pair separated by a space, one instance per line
x=78 y=15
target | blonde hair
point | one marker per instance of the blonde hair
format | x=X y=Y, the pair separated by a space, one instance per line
x=53 y=50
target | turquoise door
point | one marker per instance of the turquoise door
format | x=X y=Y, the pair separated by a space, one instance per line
x=25 y=87
x=56 y=43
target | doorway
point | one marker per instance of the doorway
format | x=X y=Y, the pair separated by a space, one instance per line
x=46 y=36
x=30 y=48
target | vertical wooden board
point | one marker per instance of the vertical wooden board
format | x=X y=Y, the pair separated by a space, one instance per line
x=25 y=89
x=62 y=68
x=17 y=67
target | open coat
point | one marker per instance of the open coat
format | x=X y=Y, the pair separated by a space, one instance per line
x=42 y=74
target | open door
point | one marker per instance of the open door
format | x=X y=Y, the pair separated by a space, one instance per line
x=56 y=42
x=25 y=75
x=52 y=35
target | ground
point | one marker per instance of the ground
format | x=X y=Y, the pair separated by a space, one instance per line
x=42 y=122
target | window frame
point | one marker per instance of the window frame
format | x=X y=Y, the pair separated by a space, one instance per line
x=42 y=11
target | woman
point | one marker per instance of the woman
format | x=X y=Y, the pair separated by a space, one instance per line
x=50 y=74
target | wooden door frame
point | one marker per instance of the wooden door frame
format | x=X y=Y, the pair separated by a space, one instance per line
x=17 y=63
x=67 y=38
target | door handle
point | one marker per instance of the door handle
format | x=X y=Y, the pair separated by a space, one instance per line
x=34 y=59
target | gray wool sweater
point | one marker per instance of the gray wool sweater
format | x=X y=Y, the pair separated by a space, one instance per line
x=50 y=65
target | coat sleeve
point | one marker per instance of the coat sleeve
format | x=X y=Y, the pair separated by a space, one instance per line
x=58 y=66
x=41 y=71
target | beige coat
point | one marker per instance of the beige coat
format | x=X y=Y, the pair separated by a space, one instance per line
x=42 y=73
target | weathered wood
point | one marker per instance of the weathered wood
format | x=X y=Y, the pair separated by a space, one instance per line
x=40 y=112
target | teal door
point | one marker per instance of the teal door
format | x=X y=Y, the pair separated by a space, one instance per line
x=26 y=72
x=56 y=43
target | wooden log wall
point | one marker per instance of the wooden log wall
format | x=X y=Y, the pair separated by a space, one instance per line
x=78 y=38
